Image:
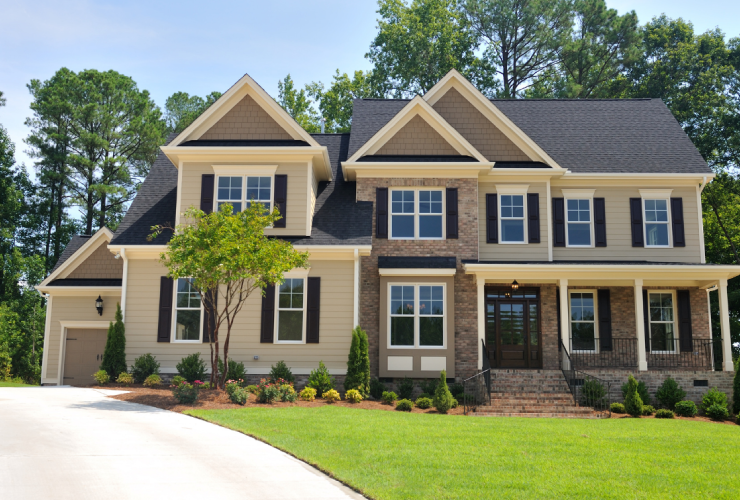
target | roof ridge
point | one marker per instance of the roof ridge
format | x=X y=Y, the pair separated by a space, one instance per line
x=575 y=99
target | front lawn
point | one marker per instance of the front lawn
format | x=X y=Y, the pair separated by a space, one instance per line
x=389 y=455
x=15 y=384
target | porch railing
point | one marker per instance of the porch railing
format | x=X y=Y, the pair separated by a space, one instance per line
x=667 y=354
x=599 y=353
x=477 y=389
x=587 y=390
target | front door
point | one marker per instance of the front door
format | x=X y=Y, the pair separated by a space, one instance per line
x=513 y=328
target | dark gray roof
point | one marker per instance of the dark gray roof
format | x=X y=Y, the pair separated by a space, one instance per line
x=520 y=164
x=86 y=282
x=385 y=262
x=418 y=158
x=587 y=263
x=74 y=244
x=244 y=143
x=369 y=116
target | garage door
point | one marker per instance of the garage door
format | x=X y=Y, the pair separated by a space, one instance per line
x=83 y=355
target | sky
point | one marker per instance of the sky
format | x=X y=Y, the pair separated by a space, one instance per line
x=199 y=47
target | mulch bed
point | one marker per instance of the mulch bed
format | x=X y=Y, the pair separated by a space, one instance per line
x=697 y=418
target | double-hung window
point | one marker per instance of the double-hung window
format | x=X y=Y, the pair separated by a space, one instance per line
x=417 y=316
x=662 y=325
x=656 y=223
x=416 y=214
x=241 y=191
x=291 y=307
x=583 y=320
x=512 y=218
x=188 y=312
x=578 y=213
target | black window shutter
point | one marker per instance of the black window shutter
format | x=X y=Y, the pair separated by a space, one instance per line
x=381 y=212
x=491 y=218
x=312 y=312
x=533 y=212
x=281 y=199
x=164 y=325
x=451 y=213
x=209 y=318
x=600 y=222
x=558 y=222
x=636 y=213
x=267 y=331
x=605 y=320
x=646 y=318
x=684 y=321
x=560 y=330
x=679 y=238
x=206 y=192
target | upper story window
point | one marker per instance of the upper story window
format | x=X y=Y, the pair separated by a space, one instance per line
x=241 y=191
x=656 y=223
x=579 y=223
x=417 y=316
x=188 y=312
x=512 y=218
x=416 y=214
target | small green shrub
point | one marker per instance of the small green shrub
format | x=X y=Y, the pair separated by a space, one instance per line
x=231 y=386
x=425 y=395
x=717 y=412
x=331 y=396
x=388 y=397
x=267 y=392
x=642 y=390
x=406 y=388
x=685 y=409
x=235 y=371
x=443 y=400
x=455 y=403
x=736 y=389
x=456 y=390
x=125 y=379
x=647 y=410
x=593 y=393
x=6 y=362
x=633 y=403
x=203 y=385
x=308 y=394
x=353 y=396
x=670 y=393
x=429 y=386
x=177 y=380
x=424 y=403
x=237 y=394
x=377 y=388
x=101 y=377
x=713 y=397
x=287 y=393
x=663 y=413
x=618 y=408
x=252 y=389
x=192 y=368
x=404 y=405
x=152 y=380
x=185 y=393
x=281 y=371
x=143 y=366
x=320 y=379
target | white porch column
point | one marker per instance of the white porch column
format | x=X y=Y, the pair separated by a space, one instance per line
x=564 y=315
x=724 y=321
x=640 y=327
x=481 y=283
x=356 y=304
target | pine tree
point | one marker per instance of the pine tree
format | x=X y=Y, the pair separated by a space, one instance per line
x=632 y=402
x=442 y=395
x=353 y=378
x=364 y=363
x=114 y=356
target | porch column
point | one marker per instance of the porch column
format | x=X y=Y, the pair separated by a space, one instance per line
x=564 y=315
x=724 y=321
x=640 y=327
x=481 y=283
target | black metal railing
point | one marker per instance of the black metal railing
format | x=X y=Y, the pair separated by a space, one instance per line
x=477 y=389
x=587 y=390
x=672 y=353
x=603 y=353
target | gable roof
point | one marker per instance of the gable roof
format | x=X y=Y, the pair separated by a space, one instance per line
x=369 y=116
x=74 y=244
x=79 y=248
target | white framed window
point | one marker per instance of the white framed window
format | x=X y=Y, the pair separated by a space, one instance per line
x=512 y=211
x=661 y=320
x=242 y=190
x=416 y=316
x=417 y=214
x=290 y=308
x=657 y=218
x=583 y=321
x=188 y=313
x=579 y=217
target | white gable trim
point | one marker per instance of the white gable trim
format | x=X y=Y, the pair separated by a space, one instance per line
x=418 y=107
x=102 y=237
x=455 y=80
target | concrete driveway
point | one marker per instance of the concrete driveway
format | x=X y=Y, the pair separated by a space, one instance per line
x=69 y=443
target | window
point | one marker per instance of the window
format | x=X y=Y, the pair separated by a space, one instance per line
x=290 y=310
x=656 y=223
x=231 y=190
x=512 y=218
x=583 y=321
x=662 y=328
x=416 y=214
x=578 y=216
x=187 y=312
x=417 y=316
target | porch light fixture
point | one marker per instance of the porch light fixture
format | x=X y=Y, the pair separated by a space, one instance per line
x=99 y=305
x=515 y=286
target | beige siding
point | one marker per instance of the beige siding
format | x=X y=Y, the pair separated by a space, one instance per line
x=513 y=252
x=297 y=201
x=477 y=129
x=619 y=231
x=246 y=120
x=100 y=264
x=314 y=195
x=417 y=137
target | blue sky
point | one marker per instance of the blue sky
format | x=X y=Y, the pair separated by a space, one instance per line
x=198 y=47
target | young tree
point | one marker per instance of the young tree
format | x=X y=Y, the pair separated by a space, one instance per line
x=114 y=356
x=227 y=257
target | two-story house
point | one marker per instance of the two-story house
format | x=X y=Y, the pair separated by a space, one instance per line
x=457 y=230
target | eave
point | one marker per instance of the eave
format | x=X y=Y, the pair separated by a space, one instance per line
x=354 y=170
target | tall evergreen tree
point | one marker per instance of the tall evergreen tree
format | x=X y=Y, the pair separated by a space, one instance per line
x=358 y=364
x=114 y=356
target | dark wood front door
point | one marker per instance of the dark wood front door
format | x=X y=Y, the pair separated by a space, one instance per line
x=513 y=328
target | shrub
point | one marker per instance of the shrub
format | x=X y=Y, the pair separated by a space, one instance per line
x=6 y=362
x=647 y=410
x=406 y=388
x=267 y=392
x=717 y=412
x=125 y=379
x=152 y=381
x=425 y=395
x=404 y=405
x=358 y=364
x=618 y=408
x=192 y=368
x=713 y=397
x=388 y=398
x=353 y=396
x=114 y=355
x=736 y=390
x=593 y=393
x=185 y=393
x=251 y=388
x=308 y=394
x=685 y=409
x=231 y=386
x=424 y=403
x=143 y=366
x=377 y=388
x=237 y=394
x=236 y=371
x=429 y=386
x=177 y=380
x=663 y=413
x=204 y=385
x=463 y=398
x=281 y=371
x=443 y=400
x=670 y=393
x=287 y=393
x=456 y=389
x=454 y=403
x=633 y=403
x=320 y=379
x=642 y=390
x=331 y=396
x=101 y=377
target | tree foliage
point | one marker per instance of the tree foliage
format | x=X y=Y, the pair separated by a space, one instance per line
x=358 y=364
x=114 y=355
x=181 y=109
x=335 y=103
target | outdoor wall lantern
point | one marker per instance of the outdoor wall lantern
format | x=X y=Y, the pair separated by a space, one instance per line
x=99 y=305
x=515 y=286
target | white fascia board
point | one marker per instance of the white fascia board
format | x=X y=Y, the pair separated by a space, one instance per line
x=353 y=170
x=79 y=291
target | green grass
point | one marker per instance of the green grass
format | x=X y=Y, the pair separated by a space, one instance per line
x=15 y=384
x=389 y=455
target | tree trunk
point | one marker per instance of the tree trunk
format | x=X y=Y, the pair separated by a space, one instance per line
x=102 y=210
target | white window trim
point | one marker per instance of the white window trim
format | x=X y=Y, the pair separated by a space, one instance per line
x=513 y=189
x=580 y=194
x=657 y=194
x=416 y=286
x=416 y=212
x=296 y=273
x=173 y=338
x=240 y=173
x=650 y=322
x=595 y=350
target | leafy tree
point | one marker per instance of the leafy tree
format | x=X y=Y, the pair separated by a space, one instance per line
x=358 y=365
x=181 y=109
x=298 y=104
x=335 y=103
x=114 y=355
x=229 y=256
